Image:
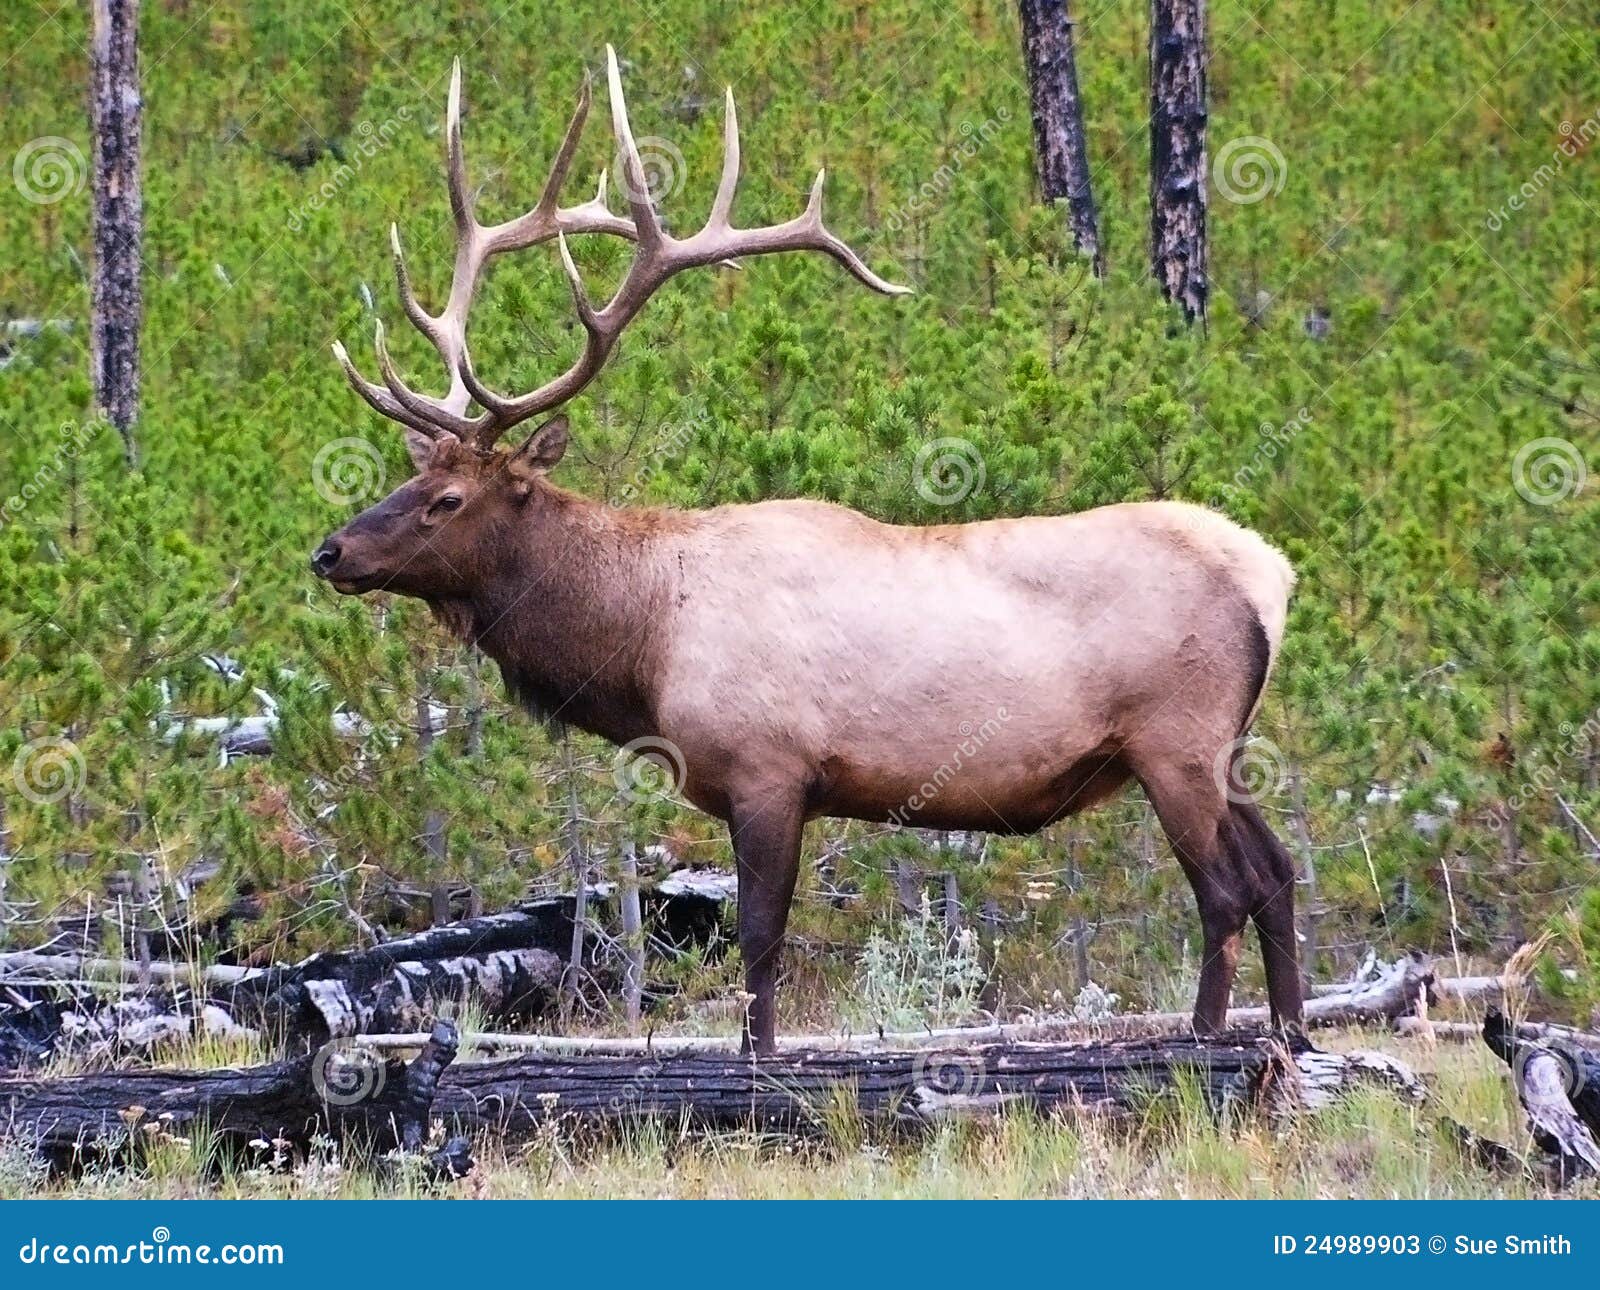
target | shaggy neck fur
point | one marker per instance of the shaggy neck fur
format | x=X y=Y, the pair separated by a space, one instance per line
x=570 y=606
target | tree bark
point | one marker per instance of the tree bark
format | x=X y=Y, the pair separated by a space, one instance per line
x=1061 y=148
x=1178 y=152
x=116 y=303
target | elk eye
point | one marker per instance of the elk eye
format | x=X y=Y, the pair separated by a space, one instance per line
x=449 y=502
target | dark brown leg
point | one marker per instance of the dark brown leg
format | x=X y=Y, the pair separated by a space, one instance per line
x=1194 y=816
x=1273 y=914
x=766 y=844
x=1222 y=920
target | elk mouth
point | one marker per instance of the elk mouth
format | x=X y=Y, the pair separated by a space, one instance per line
x=348 y=586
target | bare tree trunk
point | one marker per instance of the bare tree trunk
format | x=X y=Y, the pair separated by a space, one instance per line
x=435 y=840
x=1060 y=146
x=632 y=936
x=908 y=887
x=116 y=305
x=1178 y=152
x=1308 y=875
x=580 y=906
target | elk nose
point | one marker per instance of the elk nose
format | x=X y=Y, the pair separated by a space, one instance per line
x=324 y=558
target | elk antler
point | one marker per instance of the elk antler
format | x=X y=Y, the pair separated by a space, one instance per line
x=657 y=257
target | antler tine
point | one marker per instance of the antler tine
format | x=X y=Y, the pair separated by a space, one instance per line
x=634 y=184
x=722 y=205
x=379 y=399
x=569 y=145
x=456 y=158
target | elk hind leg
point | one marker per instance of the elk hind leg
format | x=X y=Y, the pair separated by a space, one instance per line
x=1272 y=911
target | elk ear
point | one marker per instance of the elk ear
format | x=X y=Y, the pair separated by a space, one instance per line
x=424 y=449
x=540 y=452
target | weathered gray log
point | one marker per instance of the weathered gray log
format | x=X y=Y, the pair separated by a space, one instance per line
x=1178 y=152
x=1462 y=1032
x=1060 y=145
x=1559 y=1087
x=501 y=965
x=116 y=303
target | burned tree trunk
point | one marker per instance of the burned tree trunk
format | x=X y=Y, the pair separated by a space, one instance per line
x=1060 y=146
x=1178 y=152
x=116 y=304
x=352 y=1096
x=113 y=1115
x=1559 y=1087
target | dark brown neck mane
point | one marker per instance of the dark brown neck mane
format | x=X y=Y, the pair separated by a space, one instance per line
x=569 y=605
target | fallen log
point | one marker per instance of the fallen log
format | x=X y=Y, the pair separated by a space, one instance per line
x=1462 y=1032
x=1558 y=1083
x=349 y=1095
x=1383 y=1000
x=1559 y=1087
x=499 y=965
x=249 y=1113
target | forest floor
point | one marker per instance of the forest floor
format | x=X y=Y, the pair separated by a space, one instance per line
x=1371 y=1145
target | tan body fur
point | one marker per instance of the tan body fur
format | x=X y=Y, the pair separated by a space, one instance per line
x=865 y=657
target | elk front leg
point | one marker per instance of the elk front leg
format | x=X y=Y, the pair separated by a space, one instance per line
x=766 y=832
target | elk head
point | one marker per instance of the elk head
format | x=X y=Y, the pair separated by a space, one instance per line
x=431 y=537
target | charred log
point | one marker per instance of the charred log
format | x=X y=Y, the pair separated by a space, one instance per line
x=503 y=965
x=365 y=1104
x=354 y=1097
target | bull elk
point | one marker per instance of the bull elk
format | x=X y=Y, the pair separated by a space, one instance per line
x=805 y=660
